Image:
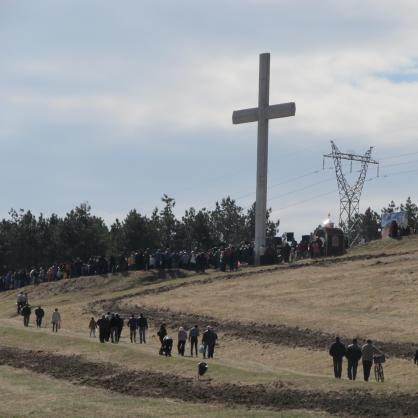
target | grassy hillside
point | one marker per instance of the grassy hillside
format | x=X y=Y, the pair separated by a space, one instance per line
x=275 y=324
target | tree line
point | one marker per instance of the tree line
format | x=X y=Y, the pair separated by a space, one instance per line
x=27 y=241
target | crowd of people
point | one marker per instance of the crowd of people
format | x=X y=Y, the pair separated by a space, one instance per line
x=223 y=258
x=206 y=348
x=24 y=308
x=354 y=352
x=110 y=328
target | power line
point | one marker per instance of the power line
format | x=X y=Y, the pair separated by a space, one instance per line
x=401 y=163
x=310 y=186
x=292 y=179
x=392 y=157
x=399 y=172
x=216 y=179
x=305 y=200
x=334 y=191
x=394 y=164
x=286 y=181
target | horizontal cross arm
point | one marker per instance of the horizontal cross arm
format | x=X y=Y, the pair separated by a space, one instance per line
x=282 y=110
x=352 y=157
x=245 y=116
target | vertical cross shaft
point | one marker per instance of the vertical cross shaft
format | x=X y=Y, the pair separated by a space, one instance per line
x=262 y=114
x=262 y=156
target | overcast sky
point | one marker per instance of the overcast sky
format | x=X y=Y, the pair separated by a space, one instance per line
x=116 y=103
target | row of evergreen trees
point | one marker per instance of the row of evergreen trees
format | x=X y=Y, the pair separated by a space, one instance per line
x=27 y=240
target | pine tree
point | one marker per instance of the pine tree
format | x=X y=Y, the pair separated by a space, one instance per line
x=391 y=208
x=412 y=211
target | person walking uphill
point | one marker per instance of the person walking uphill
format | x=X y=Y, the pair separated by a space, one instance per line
x=56 y=320
x=143 y=326
x=133 y=325
x=193 y=336
x=182 y=338
x=40 y=313
x=209 y=338
x=20 y=302
x=92 y=327
x=368 y=351
x=353 y=355
x=104 y=326
x=120 y=323
x=162 y=332
x=26 y=311
x=337 y=351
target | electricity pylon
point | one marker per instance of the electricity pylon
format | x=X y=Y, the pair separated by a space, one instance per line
x=350 y=195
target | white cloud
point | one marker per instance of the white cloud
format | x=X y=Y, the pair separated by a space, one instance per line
x=172 y=70
x=341 y=92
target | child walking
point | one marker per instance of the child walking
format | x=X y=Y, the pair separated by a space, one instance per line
x=92 y=327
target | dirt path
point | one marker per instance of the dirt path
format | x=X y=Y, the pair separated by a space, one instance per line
x=262 y=333
x=152 y=384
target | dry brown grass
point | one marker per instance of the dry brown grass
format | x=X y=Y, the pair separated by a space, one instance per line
x=373 y=298
x=27 y=394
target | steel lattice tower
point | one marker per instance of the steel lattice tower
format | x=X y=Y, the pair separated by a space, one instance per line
x=350 y=195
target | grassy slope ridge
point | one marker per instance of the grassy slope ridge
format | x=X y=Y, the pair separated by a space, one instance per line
x=369 y=292
x=373 y=295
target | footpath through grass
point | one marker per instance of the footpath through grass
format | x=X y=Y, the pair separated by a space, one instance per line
x=24 y=393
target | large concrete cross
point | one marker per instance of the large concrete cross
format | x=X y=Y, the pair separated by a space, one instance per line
x=262 y=114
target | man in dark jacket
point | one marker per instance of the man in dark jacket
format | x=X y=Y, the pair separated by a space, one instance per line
x=337 y=351
x=193 y=337
x=133 y=325
x=103 y=325
x=39 y=312
x=167 y=346
x=113 y=328
x=209 y=338
x=119 y=326
x=162 y=332
x=26 y=311
x=353 y=355
x=143 y=326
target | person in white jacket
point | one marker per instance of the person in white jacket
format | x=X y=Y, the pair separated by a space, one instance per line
x=56 y=320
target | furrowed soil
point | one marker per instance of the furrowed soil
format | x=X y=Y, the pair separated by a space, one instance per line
x=262 y=333
x=397 y=253
x=275 y=325
x=152 y=384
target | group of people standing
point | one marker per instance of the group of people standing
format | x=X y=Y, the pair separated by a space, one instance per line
x=110 y=327
x=24 y=309
x=39 y=314
x=206 y=348
x=353 y=352
x=220 y=257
